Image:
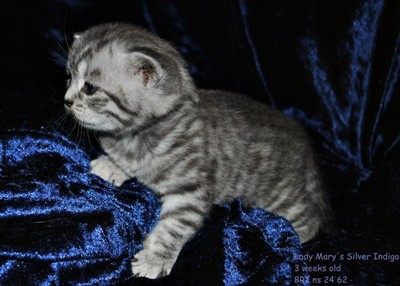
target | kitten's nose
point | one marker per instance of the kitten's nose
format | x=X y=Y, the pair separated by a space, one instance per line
x=68 y=103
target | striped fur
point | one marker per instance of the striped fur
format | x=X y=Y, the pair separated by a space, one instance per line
x=194 y=148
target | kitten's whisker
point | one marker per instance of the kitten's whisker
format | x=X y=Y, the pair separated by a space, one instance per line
x=55 y=121
x=58 y=44
x=95 y=136
x=73 y=128
x=82 y=135
x=65 y=35
x=55 y=55
x=88 y=137
x=79 y=134
x=61 y=123
x=78 y=130
x=60 y=119
x=53 y=99
x=66 y=117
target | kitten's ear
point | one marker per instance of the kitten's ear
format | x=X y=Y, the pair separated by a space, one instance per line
x=148 y=67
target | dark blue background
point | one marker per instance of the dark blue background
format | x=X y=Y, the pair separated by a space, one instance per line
x=332 y=65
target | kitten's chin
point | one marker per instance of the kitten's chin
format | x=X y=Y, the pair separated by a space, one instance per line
x=89 y=125
x=96 y=127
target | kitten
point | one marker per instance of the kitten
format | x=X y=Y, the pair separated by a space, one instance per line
x=193 y=147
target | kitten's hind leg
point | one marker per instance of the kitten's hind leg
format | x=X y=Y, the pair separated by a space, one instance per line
x=181 y=215
x=106 y=169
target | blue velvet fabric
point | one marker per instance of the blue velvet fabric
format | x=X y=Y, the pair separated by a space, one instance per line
x=62 y=225
x=333 y=66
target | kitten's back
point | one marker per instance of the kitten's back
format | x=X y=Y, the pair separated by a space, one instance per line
x=264 y=158
x=228 y=112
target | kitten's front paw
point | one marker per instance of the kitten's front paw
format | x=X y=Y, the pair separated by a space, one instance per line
x=106 y=170
x=147 y=264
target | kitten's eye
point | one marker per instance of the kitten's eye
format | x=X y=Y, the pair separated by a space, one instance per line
x=89 y=89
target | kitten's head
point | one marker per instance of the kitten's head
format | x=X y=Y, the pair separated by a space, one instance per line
x=123 y=78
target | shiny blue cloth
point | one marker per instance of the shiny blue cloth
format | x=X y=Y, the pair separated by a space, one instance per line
x=62 y=225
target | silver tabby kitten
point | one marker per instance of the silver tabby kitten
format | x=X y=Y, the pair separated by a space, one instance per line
x=193 y=147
